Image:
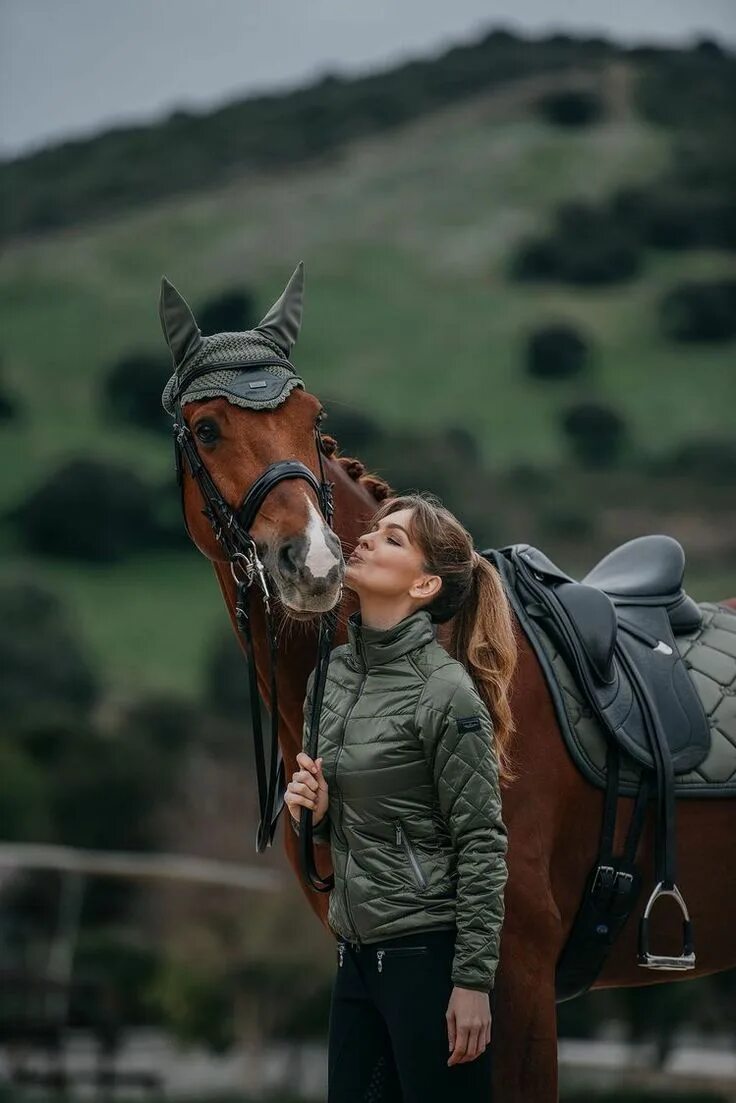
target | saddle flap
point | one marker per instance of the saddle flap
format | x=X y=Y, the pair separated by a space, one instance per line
x=594 y=617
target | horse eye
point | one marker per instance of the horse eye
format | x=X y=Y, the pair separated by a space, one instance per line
x=207 y=432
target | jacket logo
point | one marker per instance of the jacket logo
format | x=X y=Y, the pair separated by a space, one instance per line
x=468 y=723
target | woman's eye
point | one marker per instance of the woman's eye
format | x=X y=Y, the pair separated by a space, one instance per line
x=390 y=539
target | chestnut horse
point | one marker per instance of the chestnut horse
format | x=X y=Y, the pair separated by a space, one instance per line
x=552 y=814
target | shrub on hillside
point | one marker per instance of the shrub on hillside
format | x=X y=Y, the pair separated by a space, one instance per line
x=227 y=690
x=535 y=259
x=9 y=408
x=559 y=522
x=587 y=246
x=170 y=530
x=591 y=247
x=353 y=430
x=711 y=460
x=90 y=510
x=596 y=433
x=690 y=89
x=462 y=443
x=131 y=391
x=700 y=311
x=23 y=798
x=676 y=218
x=571 y=107
x=43 y=667
x=228 y=312
x=556 y=352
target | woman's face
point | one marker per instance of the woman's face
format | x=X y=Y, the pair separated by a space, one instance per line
x=387 y=564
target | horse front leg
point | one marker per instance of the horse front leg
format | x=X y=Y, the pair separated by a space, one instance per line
x=524 y=1028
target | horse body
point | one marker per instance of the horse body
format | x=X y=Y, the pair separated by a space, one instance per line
x=553 y=817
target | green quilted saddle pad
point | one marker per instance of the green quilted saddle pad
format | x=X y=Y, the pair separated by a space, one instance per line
x=709 y=653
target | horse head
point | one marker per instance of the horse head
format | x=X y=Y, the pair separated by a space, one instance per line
x=249 y=432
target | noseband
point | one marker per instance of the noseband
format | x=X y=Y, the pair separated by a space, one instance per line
x=231 y=528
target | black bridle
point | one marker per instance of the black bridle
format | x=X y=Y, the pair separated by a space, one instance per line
x=231 y=528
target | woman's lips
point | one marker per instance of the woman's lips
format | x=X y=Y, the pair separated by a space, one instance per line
x=355 y=556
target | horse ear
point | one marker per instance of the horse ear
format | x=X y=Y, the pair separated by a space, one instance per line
x=177 y=321
x=283 y=321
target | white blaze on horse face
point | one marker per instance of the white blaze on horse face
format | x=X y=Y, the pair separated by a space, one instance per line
x=319 y=559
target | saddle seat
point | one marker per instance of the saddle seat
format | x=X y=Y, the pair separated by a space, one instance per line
x=616 y=630
x=648 y=570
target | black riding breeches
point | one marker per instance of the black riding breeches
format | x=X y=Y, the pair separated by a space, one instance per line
x=388 y=1039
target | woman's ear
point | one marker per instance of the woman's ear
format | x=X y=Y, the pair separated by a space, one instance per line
x=426 y=587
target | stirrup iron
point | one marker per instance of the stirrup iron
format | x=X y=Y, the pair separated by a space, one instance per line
x=686 y=960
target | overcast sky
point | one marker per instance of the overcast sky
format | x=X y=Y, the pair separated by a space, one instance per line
x=72 y=67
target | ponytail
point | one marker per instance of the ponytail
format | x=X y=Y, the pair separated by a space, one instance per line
x=483 y=640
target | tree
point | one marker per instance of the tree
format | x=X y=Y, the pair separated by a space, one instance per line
x=90 y=510
x=43 y=666
x=556 y=352
x=131 y=391
x=572 y=107
x=595 y=432
x=228 y=312
x=703 y=311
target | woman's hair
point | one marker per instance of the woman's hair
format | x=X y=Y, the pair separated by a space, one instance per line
x=483 y=637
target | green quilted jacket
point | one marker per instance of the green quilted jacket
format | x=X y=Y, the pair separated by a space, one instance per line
x=414 y=819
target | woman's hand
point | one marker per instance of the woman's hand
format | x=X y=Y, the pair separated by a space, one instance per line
x=468 y=1024
x=309 y=788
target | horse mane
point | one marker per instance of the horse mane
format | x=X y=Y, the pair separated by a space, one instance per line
x=374 y=484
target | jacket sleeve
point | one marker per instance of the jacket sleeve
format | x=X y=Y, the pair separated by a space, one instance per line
x=459 y=743
x=320 y=831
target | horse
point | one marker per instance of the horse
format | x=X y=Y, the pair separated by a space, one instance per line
x=552 y=813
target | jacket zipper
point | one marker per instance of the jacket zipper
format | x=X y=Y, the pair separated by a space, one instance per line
x=337 y=759
x=403 y=838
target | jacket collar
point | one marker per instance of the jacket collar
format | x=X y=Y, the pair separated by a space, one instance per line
x=371 y=647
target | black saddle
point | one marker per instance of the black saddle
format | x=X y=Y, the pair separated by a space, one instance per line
x=616 y=631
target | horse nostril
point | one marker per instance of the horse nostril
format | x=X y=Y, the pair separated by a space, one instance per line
x=288 y=558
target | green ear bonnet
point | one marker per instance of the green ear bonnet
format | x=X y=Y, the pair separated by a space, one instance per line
x=250 y=369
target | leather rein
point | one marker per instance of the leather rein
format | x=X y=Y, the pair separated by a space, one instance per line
x=231 y=528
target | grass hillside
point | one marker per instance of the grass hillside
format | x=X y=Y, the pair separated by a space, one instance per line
x=410 y=316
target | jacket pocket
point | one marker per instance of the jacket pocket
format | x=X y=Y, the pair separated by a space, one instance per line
x=402 y=839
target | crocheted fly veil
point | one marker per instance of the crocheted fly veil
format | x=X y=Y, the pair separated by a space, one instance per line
x=250 y=369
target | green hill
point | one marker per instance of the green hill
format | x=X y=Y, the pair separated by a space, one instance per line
x=411 y=316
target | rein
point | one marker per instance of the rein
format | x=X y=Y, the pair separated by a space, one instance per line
x=231 y=528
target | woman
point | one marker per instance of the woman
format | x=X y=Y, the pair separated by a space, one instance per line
x=413 y=743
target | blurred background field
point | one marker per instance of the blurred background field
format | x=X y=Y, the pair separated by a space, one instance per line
x=521 y=294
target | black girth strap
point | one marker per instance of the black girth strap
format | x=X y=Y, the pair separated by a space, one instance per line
x=231 y=528
x=611 y=890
